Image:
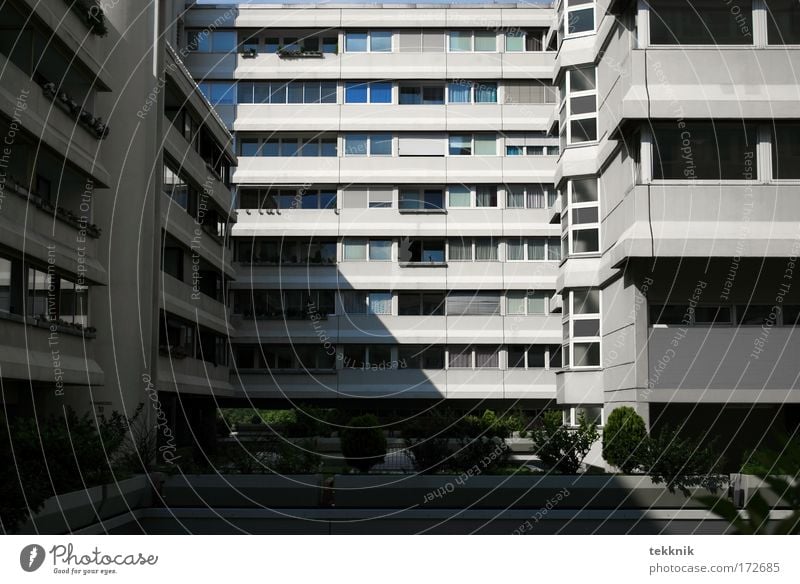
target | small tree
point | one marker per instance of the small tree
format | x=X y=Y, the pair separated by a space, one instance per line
x=363 y=443
x=624 y=439
x=679 y=461
x=563 y=449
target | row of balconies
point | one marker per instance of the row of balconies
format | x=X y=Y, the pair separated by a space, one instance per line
x=488 y=117
x=477 y=222
x=396 y=170
x=433 y=65
x=399 y=384
x=394 y=276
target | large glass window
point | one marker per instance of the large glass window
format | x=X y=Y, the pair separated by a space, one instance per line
x=416 y=198
x=786 y=150
x=701 y=22
x=582 y=332
x=580 y=219
x=578 y=109
x=356 y=42
x=704 y=150
x=783 y=22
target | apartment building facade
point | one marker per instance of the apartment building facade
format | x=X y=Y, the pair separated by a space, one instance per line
x=677 y=175
x=397 y=233
x=115 y=212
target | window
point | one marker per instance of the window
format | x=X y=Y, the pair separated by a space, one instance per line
x=218 y=92
x=286 y=304
x=356 y=42
x=530 y=196
x=786 y=150
x=705 y=150
x=486 y=196
x=368 y=92
x=580 y=219
x=7 y=285
x=471 y=92
x=380 y=250
x=362 y=302
x=376 y=250
x=473 y=303
x=281 y=92
x=218 y=41
x=373 y=41
x=533 y=249
x=421 y=303
x=381 y=41
x=421 y=356
x=420 y=40
x=367 y=357
x=482 y=249
x=287 y=198
x=582 y=332
x=783 y=22
x=534 y=356
x=578 y=17
x=421 y=94
x=528 y=302
x=367 y=197
x=530 y=40
x=421 y=145
x=413 y=199
x=477 y=357
x=421 y=251
x=285 y=251
x=368 y=145
x=460 y=41
x=467 y=40
x=459 y=196
x=532 y=91
x=578 y=109
x=177 y=189
x=688 y=315
x=294 y=357
x=303 y=145
x=701 y=22
x=469 y=144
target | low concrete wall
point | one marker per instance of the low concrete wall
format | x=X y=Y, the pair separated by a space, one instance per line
x=500 y=492
x=744 y=487
x=72 y=511
x=262 y=490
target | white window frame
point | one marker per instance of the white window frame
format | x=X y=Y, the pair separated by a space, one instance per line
x=547 y=242
x=565 y=104
x=548 y=304
x=566 y=220
x=567 y=10
x=569 y=317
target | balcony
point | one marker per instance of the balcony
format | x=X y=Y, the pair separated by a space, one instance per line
x=723 y=364
x=700 y=220
x=70 y=362
x=713 y=82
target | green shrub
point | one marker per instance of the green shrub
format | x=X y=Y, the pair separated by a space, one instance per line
x=562 y=449
x=624 y=439
x=679 y=461
x=486 y=453
x=59 y=454
x=427 y=438
x=363 y=443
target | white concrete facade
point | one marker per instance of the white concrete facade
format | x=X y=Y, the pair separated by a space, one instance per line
x=464 y=235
